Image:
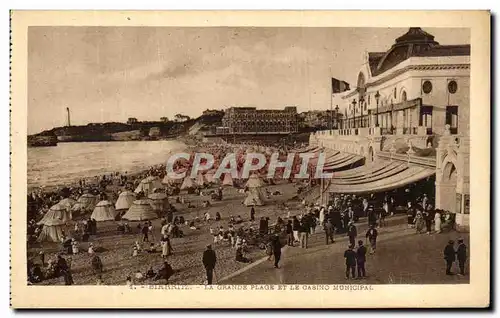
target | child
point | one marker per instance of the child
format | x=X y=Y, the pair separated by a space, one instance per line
x=74 y=246
x=135 y=251
x=91 y=249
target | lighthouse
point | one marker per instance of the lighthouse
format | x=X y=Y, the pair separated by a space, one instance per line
x=69 y=119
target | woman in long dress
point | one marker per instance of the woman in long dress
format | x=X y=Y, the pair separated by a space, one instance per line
x=419 y=222
x=322 y=215
x=165 y=246
x=437 y=222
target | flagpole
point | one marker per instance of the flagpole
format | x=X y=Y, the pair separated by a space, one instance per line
x=331 y=97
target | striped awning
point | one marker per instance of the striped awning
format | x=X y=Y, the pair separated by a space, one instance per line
x=387 y=172
x=393 y=178
x=343 y=163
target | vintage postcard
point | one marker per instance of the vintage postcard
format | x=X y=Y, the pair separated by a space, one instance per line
x=250 y=159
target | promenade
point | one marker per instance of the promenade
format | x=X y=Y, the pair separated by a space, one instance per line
x=402 y=257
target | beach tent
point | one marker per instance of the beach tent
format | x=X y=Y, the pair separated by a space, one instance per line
x=159 y=201
x=254 y=181
x=125 y=200
x=187 y=183
x=169 y=180
x=254 y=195
x=54 y=223
x=87 y=201
x=228 y=180
x=209 y=176
x=104 y=211
x=201 y=180
x=67 y=203
x=148 y=184
x=140 y=210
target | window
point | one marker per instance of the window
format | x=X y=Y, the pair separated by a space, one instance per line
x=427 y=87
x=426 y=116
x=369 y=99
x=395 y=92
x=452 y=87
x=452 y=118
x=403 y=97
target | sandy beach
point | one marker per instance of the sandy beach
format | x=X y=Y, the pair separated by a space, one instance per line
x=187 y=251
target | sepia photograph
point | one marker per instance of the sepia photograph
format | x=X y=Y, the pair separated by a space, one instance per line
x=250 y=157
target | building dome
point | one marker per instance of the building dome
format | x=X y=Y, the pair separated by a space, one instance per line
x=409 y=44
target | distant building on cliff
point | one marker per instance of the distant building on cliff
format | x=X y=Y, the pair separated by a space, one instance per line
x=154 y=132
x=132 y=120
x=250 y=120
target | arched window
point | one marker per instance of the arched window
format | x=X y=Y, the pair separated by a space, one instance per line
x=403 y=97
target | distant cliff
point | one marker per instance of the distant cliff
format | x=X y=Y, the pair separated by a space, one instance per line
x=114 y=131
x=42 y=141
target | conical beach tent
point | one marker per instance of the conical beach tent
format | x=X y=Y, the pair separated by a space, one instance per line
x=170 y=180
x=54 y=222
x=67 y=203
x=187 y=183
x=200 y=179
x=254 y=181
x=104 y=211
x=210 y=177
x=228 y=180
x=254 y=196
x=125 y=200
x=148 y=184
x=88 y=201
x=159 y=201
x=140 y=210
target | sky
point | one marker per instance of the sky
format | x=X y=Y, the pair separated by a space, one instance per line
x=112 y=73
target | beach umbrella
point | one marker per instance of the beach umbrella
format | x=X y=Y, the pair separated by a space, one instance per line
x=103 y=211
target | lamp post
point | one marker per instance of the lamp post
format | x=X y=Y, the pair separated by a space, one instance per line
x=377 y=97
x=354 y=111
x=392 y=118
x=337 y=116
x=361 y=103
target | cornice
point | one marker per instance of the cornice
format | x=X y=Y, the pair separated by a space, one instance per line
x=420 y=67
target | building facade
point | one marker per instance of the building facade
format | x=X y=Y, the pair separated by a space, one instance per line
x=250 y=120
x=414 y=96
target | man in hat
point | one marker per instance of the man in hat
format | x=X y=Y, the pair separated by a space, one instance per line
x=361 y=259
x=352 y=232
x=350 y=262
x=461 y=256
x=372 y=217
x=449 y=256
x=276 y=249
x=329 y=230
x=371 y=236
x=209 y=261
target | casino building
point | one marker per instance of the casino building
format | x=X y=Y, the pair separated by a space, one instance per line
x=409 y=107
